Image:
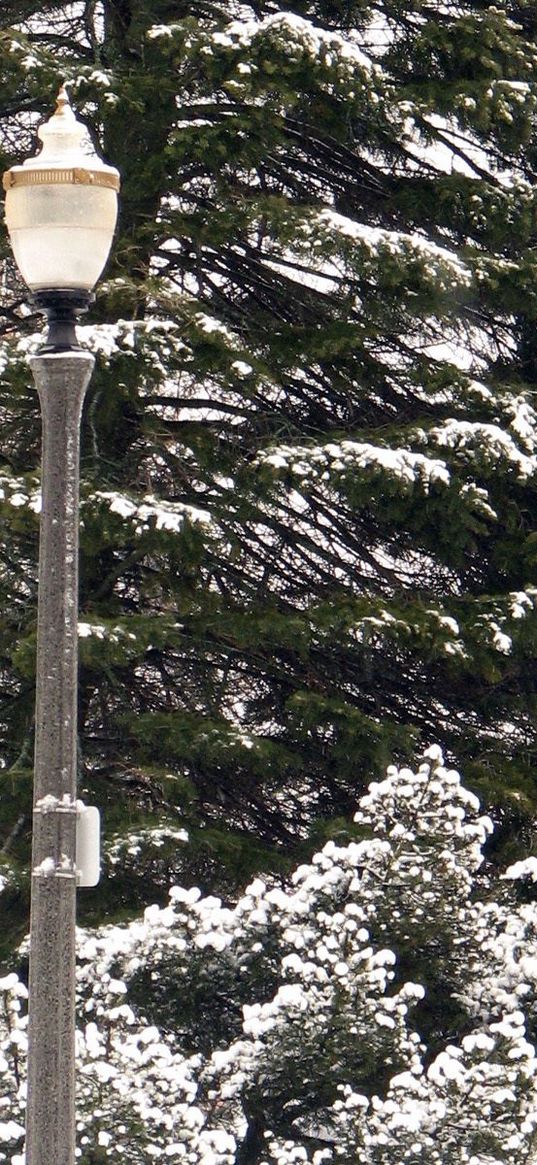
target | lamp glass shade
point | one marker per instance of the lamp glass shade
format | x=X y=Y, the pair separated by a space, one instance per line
x=61 y=208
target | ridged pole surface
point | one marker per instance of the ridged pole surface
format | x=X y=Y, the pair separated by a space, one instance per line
x=61 y=380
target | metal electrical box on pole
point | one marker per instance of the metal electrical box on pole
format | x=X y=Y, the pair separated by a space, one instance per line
x=88 y=845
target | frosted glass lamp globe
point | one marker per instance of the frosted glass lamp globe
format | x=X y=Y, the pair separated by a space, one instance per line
x=61 y=208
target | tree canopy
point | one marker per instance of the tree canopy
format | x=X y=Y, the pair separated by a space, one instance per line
x=308 y=536
x=378 y=1006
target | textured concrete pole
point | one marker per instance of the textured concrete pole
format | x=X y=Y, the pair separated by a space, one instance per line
x=61 y=380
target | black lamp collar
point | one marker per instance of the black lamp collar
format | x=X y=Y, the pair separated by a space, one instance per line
x=62 y=307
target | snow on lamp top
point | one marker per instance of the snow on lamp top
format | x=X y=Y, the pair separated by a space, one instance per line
x=61 y=207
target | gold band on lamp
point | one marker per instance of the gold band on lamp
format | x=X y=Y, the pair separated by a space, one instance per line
x=73 y=176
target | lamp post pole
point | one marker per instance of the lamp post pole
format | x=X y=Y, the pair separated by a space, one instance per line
x=61 y=381
x=61 y=209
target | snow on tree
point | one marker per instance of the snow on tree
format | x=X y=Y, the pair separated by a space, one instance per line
x=378 y=1006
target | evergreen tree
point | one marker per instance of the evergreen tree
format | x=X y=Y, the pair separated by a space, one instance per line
x=379 y=1006
x=309 y=446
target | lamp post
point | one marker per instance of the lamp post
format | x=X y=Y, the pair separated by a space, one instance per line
x=61 y=209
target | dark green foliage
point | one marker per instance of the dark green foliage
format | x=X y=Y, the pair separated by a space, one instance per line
x=316 y=333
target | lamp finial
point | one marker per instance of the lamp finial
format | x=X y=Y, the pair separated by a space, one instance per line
x=63 y=104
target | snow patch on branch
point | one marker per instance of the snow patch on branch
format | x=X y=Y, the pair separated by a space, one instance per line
x=162 y=515
x=477 y=441
x=305 y=461
x=398 y=242
x=295 y=35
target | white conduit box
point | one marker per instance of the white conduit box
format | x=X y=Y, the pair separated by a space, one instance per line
x=88 y=845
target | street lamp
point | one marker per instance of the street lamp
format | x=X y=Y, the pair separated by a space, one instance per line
x=61 y=209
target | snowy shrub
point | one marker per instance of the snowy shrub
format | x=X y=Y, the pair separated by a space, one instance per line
x=377 y=1009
